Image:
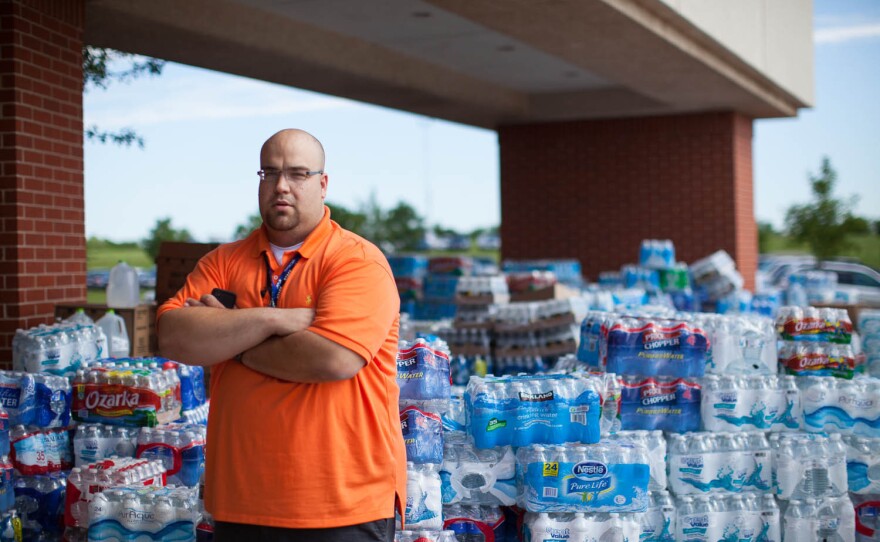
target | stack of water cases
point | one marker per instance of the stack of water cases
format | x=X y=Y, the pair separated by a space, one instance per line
x=869 y=327
x=409 y=274
x=144 y=416
x=531 y=336
x=572 y=484
x=37 y=440
x=815 y=342
x=813 y=472
x=423 y=378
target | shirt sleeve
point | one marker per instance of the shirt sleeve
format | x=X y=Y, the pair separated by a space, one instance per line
x=357 y=307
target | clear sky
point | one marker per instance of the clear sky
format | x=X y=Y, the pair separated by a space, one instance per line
x=203 y=131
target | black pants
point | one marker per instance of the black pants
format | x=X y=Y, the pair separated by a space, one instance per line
x=374 y=531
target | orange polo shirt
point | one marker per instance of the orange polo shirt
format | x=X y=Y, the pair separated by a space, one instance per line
x=298 y=455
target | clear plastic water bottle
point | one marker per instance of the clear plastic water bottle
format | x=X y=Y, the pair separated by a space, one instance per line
x=123 y=290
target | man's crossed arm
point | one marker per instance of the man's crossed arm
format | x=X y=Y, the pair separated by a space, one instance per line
x=272 y=341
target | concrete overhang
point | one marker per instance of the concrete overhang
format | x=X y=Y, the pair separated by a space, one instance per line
x=483 y=63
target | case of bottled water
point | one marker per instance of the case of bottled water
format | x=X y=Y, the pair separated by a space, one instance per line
x=657 y=254
x=192 y=381
x=659 y=522
x=424 y=508
x=180 y=448
x=521 y=410
x=863 y=464
x=151 y=513
x=40 y=451
x=59 y=349
x=425 y=536
x=869 y=327
x=716 y=275
x=795 y=323
x=603 y=477
x=422 y=428
x=38 y=400
x=746 y=516
x=817 y=359
x=655 y=444
x=838 y=405
x=423 y=370
x=831 y=519
x=652 y=347
x=7 y=493
x=455 y=419
x=126 y=392
x=809 y=466
x=95 y=442
x=39 y=500
x=477 y=476
x=478 y=523
x=719 y=463
x=759 y=402
x=739 y=344
x=867 y=512
x=565 y=526
x=660 y=403
x=83 y=484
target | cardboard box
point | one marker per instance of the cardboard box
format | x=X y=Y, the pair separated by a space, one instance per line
x=557 y=291
x=174 y=263
x=140 y=323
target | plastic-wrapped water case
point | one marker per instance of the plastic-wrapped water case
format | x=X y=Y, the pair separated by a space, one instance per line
x=422 y=428
x=522 y=410
x=660 y=403
x=603 y=477
x=180 y=447
x=474 y=476
x=122 y=394
x=719 y=463
x=837 y=405
x=37 y=400
x=653 y=347
x=83 y=484
x=148 y=513
x=424 y=509
x=759 y=402
x=423 y=370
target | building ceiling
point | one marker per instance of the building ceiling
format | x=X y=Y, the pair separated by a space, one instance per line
x=483 y=63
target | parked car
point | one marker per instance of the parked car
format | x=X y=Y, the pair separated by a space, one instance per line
x=857 y=279
x=97 y=278
x=147 y=277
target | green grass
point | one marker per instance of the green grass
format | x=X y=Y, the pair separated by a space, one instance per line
x=865 y=247
x=102 y=254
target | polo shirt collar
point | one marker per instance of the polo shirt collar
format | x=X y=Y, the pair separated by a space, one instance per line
x=310 y=245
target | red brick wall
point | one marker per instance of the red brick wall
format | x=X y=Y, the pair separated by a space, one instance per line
x=592 y=190
x=42 y=232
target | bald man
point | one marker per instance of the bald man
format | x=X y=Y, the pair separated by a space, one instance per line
x=304 y=439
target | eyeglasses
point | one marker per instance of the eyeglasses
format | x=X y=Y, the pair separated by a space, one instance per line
x=290 y=175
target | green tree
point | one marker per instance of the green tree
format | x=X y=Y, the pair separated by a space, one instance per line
x=97 y=74
x=824 y=223
x=353 y=221
x=243 y=230
x=403 y=227
x=163 y=231
x=765 y=232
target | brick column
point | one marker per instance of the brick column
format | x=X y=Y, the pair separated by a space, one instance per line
x=42 y=232
x=592 y=190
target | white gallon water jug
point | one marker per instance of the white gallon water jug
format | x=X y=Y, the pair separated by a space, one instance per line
x=123 y=291
x=113 y=327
